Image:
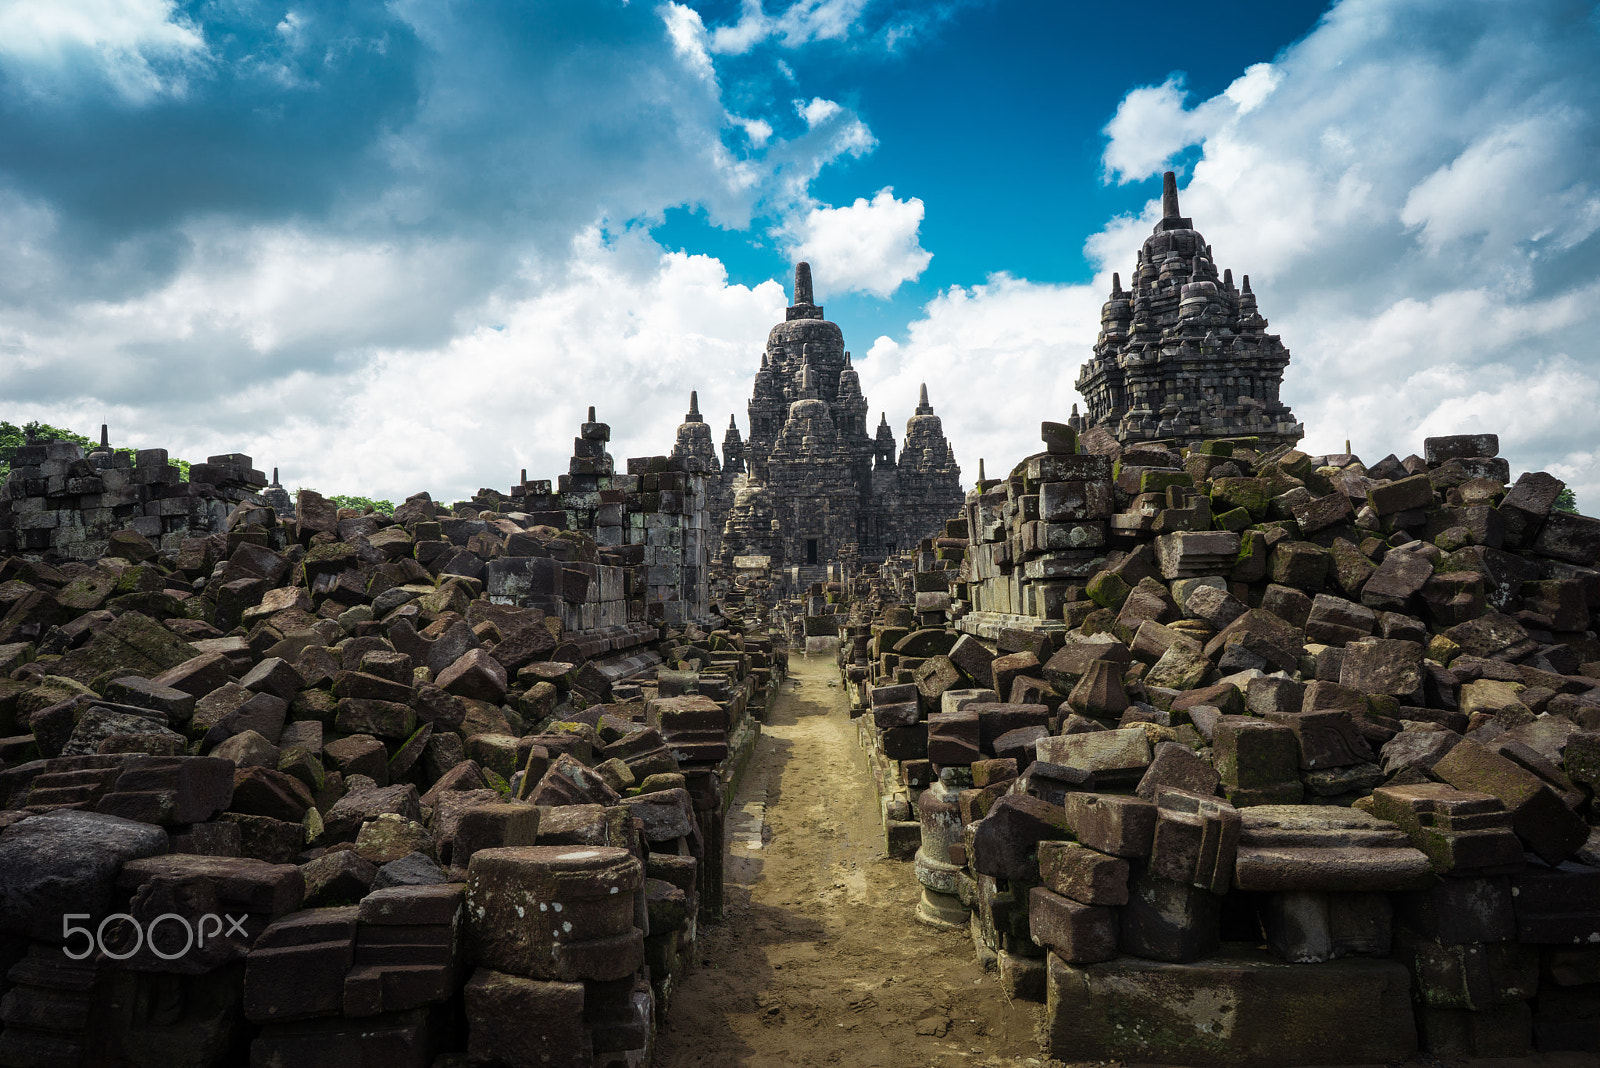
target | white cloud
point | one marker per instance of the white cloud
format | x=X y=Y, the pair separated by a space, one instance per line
x=817 y=111
x=1523 y=154
x=870 y=246
x=629 y=328
x=759 y=131
x=689 y=39
x=801 y=23
x=998 y=359
x=1152 y=124
x=134 y=44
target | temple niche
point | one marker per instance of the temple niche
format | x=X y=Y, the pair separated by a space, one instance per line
x=811 y=485
x=1184 y=355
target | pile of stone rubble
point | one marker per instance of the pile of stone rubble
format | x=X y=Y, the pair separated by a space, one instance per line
x=1253 y=757
x=429 y=788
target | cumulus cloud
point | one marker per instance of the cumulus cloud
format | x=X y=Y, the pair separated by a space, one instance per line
x=1152 y=123
x=871 y=246
x=800 y=23
x=998 y=358
x=139 y=48
x=629 y=328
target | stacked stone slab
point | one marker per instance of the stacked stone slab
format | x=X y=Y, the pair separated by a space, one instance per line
x=58 y=500
x=1301 y=768
x=1183 y=355
x=318 y=732
x=655 y=521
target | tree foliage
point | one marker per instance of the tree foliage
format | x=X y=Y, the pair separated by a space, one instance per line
x=366 y=504
x=1566 y=501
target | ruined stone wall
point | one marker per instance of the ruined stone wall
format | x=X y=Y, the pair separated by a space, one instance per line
x=60 y=501
x=652 y=525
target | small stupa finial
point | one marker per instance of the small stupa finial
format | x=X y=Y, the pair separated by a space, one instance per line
x=591 y=413
x=694 y=408
x=105 y=440
x=802 y=283
x=847 y=359
x=274 y=476
x=1169 y=196
x=1116 y=285
x=980 y=469
x=524 y=476
x=1246 y=287
x=732 y=423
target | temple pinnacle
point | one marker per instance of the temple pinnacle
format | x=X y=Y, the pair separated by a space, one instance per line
x=105 y=442
x=694 y=408
x=802 y=283
x=1169 y=196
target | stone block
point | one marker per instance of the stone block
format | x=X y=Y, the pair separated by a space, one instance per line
x=1196 y=840
x=1461 y=832
x=1539 y=817
x=1243 y=1009
x=1083 y=874
x=1382 y=666
x=519 y=1022
x=1170 y=921
x=1073 y=931
x=1004 y=843
x=1474 y=975
x=1461 y=910
x=555 y=912
x=1325 y=847
x=1112 y=824
x=1256 y=758
x=1123 y=752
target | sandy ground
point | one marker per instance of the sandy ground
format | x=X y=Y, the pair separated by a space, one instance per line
x=819 y=960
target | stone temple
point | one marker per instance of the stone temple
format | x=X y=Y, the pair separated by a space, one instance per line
x=812 y=485
x=1184 y=355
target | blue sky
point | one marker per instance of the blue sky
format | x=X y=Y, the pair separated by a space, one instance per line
x=400 y=246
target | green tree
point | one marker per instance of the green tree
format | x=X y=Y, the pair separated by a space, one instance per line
x=364 y=503
x=1566 y=501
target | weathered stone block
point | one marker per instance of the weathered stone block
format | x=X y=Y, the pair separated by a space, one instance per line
x=1242 y=1009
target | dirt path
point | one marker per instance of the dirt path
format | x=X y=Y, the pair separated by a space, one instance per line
x=819 y=960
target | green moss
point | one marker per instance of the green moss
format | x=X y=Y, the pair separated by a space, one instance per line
x=1235 y=519
x=1108 y=590
x=1158 y=481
